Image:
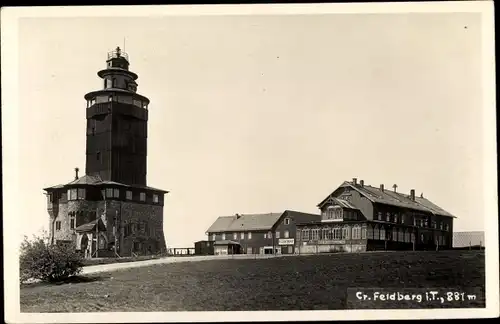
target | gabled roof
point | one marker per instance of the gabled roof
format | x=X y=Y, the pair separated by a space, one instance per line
x=257 y=222
x=389 y=197
x=97 y=181
x=341 y=202
x=245 y=222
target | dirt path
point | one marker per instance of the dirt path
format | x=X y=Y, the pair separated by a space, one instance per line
x=135 y=264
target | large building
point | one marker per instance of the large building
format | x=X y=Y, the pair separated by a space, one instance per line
x=271 y=233
x=359 y=217
x=111 y=210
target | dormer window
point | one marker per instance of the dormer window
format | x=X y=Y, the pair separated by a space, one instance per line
x=156 y=198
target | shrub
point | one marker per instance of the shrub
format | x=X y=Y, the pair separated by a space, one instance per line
x=41 y=260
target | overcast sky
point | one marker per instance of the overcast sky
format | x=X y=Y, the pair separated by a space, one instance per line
x=258 y=114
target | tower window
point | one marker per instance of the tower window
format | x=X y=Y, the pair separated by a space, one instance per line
x=58 y=225
x=81 y=193
x=72 y=222
x=156 y=199
x=113 y=83
x=110 y=98
x=129 y=195
x=142 y=196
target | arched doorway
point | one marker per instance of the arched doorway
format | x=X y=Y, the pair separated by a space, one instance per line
x=84 y=244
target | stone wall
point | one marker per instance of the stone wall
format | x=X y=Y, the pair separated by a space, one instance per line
x=150 y=242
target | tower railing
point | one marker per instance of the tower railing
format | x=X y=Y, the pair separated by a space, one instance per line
x=117 y=54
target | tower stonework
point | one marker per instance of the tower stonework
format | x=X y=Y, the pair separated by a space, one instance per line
x=111 y=211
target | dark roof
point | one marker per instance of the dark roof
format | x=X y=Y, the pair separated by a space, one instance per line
x=245 y=222
x=89 y=180
x=389 y=197
x=257 y=222
x=226 y=242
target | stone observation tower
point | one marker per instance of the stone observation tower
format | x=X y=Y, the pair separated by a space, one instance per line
x=110 y=210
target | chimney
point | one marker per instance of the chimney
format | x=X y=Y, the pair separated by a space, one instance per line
x=238 y=216
x=355 y=181
x=395 y=186
x=361 y=183
x=412 y=194
x=382 y=187
x=76 y=173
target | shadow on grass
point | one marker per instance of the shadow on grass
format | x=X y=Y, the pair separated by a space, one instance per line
x=71 y=280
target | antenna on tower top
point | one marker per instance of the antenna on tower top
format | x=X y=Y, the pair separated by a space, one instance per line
x=124 y=44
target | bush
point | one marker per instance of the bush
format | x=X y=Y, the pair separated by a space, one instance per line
x=41 y=260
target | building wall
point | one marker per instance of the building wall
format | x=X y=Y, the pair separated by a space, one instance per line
x=273 y=237
x=149 y=242
x=249 y=246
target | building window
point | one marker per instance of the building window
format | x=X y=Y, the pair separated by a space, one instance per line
x=142 y=196
x=434 y=225
x=287 y=221
x=356 y=233
x=388 y=217
x=116 y=193
x=213 y=237
x=277 y=234
x=446 y=227
x=128 y=194
x=345 y=233
x=286 y=234
x=223 y=236
x=72 y=194
x=395 y=218
x=156 y=198
x=235 y=236
x=98 y=156
x=249 y=236
x=403 y=216
x=305 y=235
x=315 y=234
x=337 y=233
x=363 y=233
x=382 y=233
x=269 y=235
x=72 y=222
x=109 y=192
x=110 y=98
x=394 y=234
x=242 y=236
x=58 y=225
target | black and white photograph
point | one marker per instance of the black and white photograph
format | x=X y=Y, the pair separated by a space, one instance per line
x=252 y=162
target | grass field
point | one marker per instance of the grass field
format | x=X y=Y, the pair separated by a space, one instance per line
x=288 y=283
